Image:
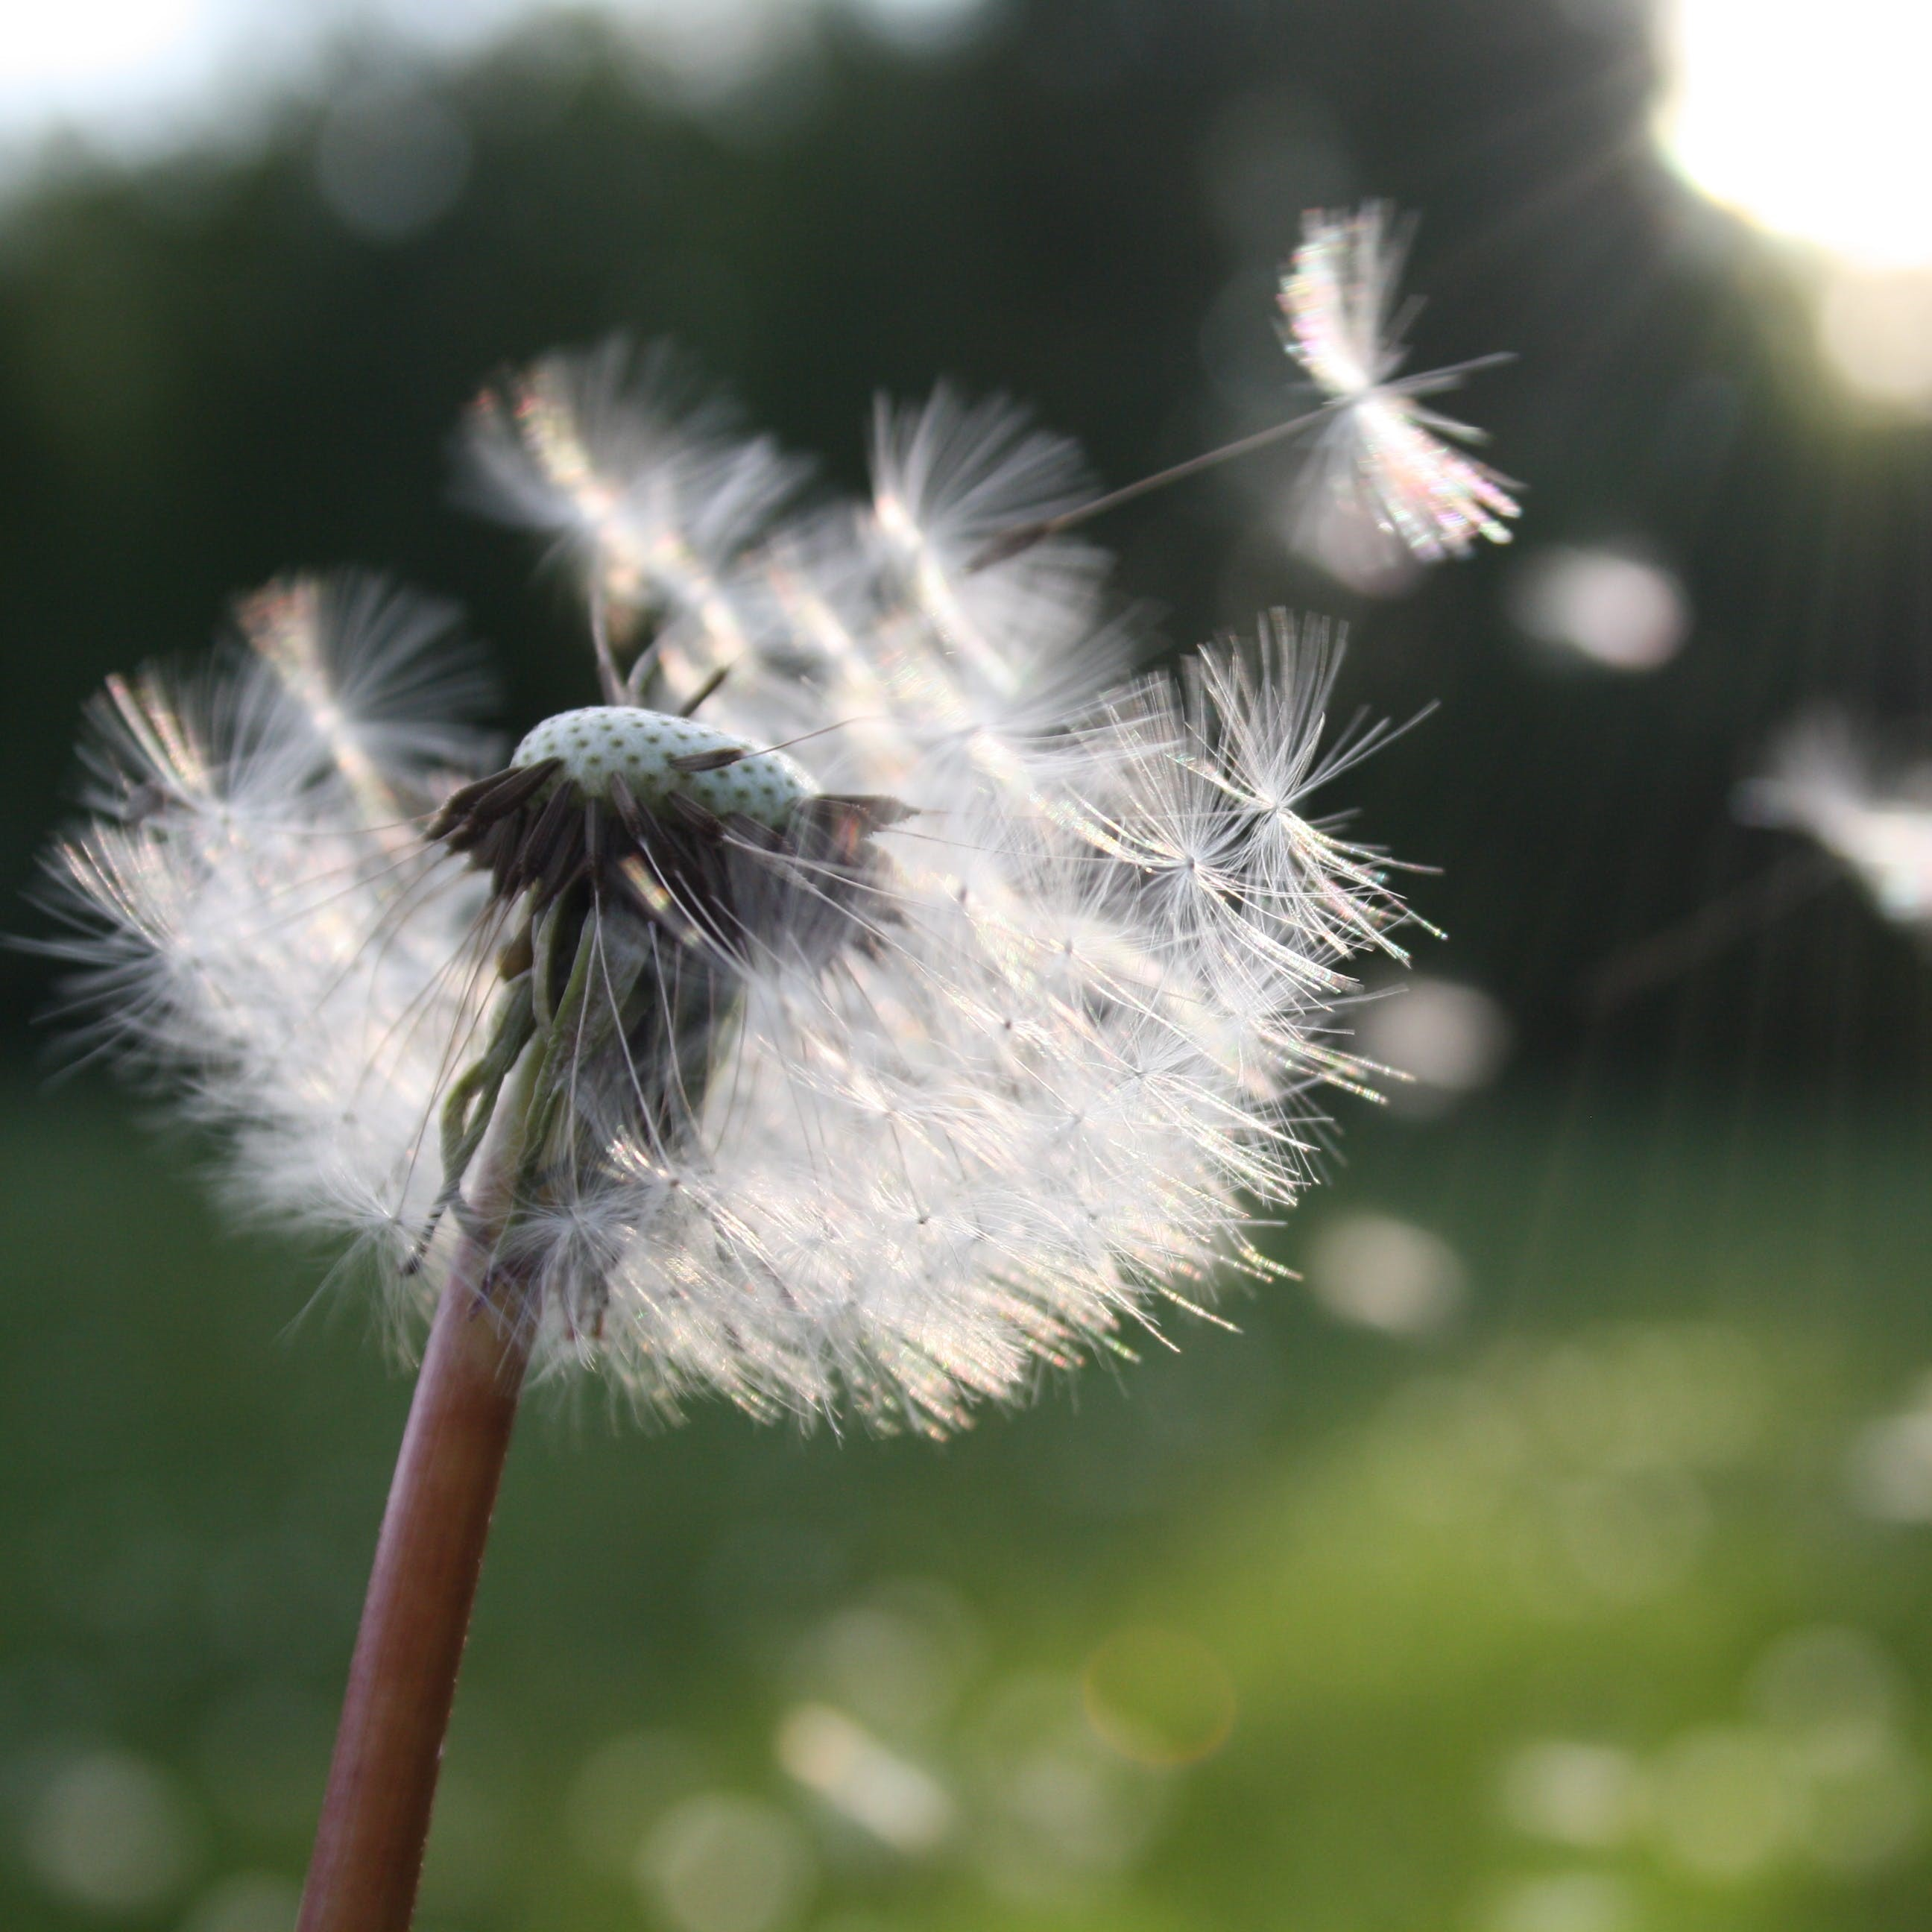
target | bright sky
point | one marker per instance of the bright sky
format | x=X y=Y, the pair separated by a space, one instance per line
x=132 y=75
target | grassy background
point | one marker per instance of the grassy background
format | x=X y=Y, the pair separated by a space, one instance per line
x=1564 y=1622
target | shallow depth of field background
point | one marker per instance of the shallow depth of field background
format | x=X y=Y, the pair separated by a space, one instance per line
x=1557 y=1559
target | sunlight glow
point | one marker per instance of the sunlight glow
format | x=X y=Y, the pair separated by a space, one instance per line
x=1809 y=119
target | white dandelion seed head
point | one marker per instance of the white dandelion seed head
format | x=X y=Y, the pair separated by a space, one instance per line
x=1824 y=780
x=1387 y=462
x=934 y=1005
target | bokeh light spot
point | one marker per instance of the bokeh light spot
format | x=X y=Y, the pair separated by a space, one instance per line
x=1890 y=1468
x=390 y=162
x=1875 y=326
x=896 y=1657
x=1589 y=1796
x=720 y=1862
x=1616 y=609
x=1565 y=1902
x=1833 y=1693
x=624 y=1785
x=1386 y=1273
x=1158 y=1696
x=110 y=1833
x=1726 y=1803
x=836 y=1757
x=1058 y=1808
x=1444 y=1039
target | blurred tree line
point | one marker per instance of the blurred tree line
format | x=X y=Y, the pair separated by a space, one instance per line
x=209 y=373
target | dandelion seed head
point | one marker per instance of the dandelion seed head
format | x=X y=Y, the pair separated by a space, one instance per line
x=882 y=999
x=1385 y=460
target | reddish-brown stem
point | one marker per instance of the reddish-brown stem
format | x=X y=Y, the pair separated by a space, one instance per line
x=381 y=1782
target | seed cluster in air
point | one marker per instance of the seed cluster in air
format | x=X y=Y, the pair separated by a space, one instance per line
x=602 y=741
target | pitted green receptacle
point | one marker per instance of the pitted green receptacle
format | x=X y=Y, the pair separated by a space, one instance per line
x=644 y=749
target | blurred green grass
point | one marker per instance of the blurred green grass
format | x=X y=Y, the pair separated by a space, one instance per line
x=1565 y=1621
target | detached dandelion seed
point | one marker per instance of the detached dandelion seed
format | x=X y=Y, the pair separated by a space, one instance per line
x=877 y=998
x=1383 y=482
x=1384 y=455
x=1825 y=781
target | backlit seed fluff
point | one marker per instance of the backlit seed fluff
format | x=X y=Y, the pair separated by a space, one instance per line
x=1825 y=780
x=930 y=1005
x=1387 y=459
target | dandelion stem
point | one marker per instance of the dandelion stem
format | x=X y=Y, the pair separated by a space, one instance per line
x=376 y=1813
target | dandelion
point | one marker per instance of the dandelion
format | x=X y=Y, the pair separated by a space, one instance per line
x=1384 y=456
x=1824 y=781
x=879 y=998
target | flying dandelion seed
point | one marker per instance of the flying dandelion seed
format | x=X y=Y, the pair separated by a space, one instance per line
x=936 y=1007
x=1384 y=464
x=1823 y=781
x=1385 y=494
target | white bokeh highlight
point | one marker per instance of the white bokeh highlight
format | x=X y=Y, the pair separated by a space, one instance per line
x=1610 y=606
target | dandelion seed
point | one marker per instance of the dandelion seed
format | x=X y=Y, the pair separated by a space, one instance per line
x=873 y=1001
x=1383 y=460
x=1825 y=782
x=1384 y=491
x=639 y=477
